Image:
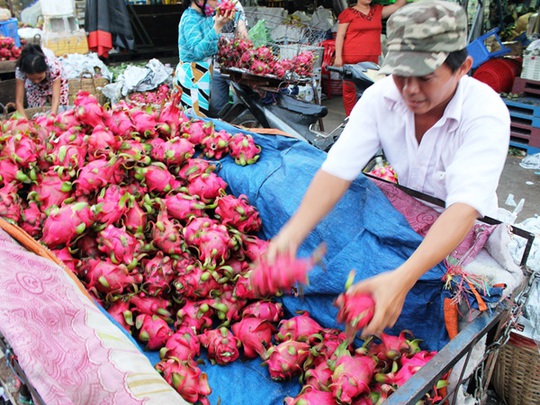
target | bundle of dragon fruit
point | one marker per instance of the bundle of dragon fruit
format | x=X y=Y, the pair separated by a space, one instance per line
x=262 y=61
x=129 y=200
x=158 y=96
x=8 y=49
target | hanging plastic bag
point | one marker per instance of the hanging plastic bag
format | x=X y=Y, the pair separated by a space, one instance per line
x=258 y=34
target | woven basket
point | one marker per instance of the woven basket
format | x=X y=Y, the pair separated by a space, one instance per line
x=9 y=109
x=87 y=82
x=516 y=377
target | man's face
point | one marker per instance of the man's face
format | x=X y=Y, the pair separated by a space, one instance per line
x=430 y=93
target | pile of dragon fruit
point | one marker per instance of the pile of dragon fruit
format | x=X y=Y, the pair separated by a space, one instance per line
x=8 y=49
x=262 y=61
x=130 y=199
x=158 y=96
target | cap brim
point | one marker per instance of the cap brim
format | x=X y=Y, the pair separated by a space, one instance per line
x=410 y=63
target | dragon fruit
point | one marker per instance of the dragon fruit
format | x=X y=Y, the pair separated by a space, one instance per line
x=119 y=245
x=196 y=130
x=184 y=344
x=311 y=396
x=243 y=149
x=193 y=168
x=355 y=310
x=195 y=283
x=157 y=177
x=183 y=206
x=190 y=382
x=211 y=240
x=286 y=359
x=108 y=278
x=158 y=274
x=112 y=204
x=120 y=311
x=50 y=190
x=10 y=202
x=119 y=121
x=207 y=186
x=21 y=149
x=134 y=219
x=221 y=344
x=319 y=377
x=102 y=141
x=393 y=347
x=302 y=328
x=194 y=314
x=32 y=219
x=10 y=171
x=167 y=234
x=255 y=334
x=143 y=304
x=145 y=123
x=216 y=145
x=64 y=224
x=152 y=330
x=351 y=374
x=87 y=109
x=264 y=309
x=253 y=247
x=238 y=213
x=269 y=278
x=71 y=157
x=98 y=174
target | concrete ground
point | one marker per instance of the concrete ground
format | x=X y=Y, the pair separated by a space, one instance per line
x=521 y=183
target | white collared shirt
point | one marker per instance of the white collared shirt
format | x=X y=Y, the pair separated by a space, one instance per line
x=460 y=159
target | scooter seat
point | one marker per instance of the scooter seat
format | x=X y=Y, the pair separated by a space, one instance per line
x=302 y=107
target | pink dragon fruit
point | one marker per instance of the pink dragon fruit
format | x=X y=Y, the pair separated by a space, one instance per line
x=10 y=171
x=243 y=149
x=195 y=167
x=259 y=67
x=196 y=315
x=50 y=190
x=207 y=187
x=21 y=149
x=319 y=377
x=351 y=374
x=71 y=157
x=98 y=174
x=152 y=330
x=195 y=283
x=108 y=278
x=143 y=304
x=177 y=150
x=172 y=116
x=213 y=242
x=64 y=224
x=183 y=206
x=183 y=345
x=10 y=202
x=121 y=313
x=157 y=177
x=66 y=119
x=269 y=278
x=255 y=334
x=311 y=396
x=196 y=130
x=102 y=141
x=66 y=255
x=393 y=347
x=227 y=305
x=302 y=328
x=409 y=366
x=145 y=123
x=238 y=213
x=167 y=234
x=216 y=145
x=190 y=382
x=119 y=121
x=158 y=273
x=253 y=247
x=88 y=111
x=119 y=245
x=134 y=219
x=112 y=204
x=264 y=309
x=355 y=310
x=32 y=219
x=221 y=344
x=286 y=359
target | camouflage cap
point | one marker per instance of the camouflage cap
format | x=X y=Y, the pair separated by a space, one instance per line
x=421 y=35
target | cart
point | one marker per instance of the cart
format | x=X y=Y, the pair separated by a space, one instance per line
x=492 y=325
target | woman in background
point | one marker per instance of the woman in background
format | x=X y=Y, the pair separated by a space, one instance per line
x=40 y=76
x=198 y=36
x=359 y=39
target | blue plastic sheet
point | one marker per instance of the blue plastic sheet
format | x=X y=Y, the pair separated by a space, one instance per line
x=364 y=232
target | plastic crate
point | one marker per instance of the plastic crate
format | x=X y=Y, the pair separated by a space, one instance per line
x=526 y=87
x=531 y=67
x=10 y=28
x=480 y=53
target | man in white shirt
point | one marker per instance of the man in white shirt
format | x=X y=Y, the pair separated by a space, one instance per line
x=444 y=133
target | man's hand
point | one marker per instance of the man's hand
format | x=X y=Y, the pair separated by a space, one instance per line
x=389 y=293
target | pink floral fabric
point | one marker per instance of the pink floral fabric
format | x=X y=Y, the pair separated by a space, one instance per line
x=69 y=350
x=420 y=217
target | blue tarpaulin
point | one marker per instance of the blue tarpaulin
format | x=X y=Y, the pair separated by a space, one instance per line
x=364 y=232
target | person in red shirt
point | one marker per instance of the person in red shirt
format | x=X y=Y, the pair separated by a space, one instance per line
x=359 y=39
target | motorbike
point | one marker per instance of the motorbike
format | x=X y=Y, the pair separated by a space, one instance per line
x=271 y=105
